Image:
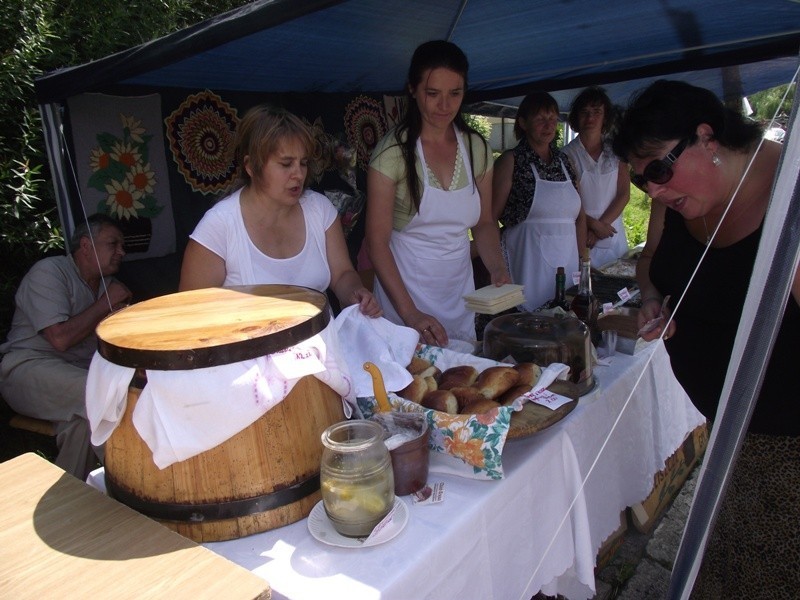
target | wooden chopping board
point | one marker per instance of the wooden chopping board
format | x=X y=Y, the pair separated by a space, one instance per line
x=60 y=538
x=534 y=417
x=212 y=326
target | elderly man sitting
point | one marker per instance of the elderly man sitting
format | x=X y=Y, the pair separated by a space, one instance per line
x=46 y=359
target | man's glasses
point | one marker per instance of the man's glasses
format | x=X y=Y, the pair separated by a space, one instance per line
x=660 y=170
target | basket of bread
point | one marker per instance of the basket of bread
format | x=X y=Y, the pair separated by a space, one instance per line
x=473 y=405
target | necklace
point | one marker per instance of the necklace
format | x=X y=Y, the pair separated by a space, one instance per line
x=708 y=235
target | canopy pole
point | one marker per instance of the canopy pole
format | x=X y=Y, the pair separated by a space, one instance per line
x=52 y=128
x=758 y=328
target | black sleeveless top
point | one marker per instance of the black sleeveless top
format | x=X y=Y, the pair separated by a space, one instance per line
x=708 y=319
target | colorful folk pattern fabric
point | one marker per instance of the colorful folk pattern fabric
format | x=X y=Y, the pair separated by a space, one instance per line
x=365 y=125
x=477 y=440
x=201 y=136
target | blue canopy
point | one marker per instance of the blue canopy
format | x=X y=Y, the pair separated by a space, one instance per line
x=514 y=46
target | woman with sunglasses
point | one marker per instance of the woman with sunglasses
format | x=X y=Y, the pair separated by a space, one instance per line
x=696 y=157
x=604 y=185
x=535 y=196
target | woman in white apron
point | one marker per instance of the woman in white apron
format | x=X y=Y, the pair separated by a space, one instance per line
x=604 y=186
x=535 y=197
x=429 y=182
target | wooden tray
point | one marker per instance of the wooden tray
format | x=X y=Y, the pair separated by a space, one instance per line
x=534 y=417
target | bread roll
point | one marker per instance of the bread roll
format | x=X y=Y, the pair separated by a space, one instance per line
x=495 y=381
x=441 y=400
x=529 y=373
x=465 y=395
x=512 y=394
x=461 y=376
x=430 y=382
x=415 y=390
x=418 y=365
x=479 y=407
x=432 y=371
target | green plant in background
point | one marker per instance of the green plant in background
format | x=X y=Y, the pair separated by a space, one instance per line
x=768 y=103
x=38 y=36
x=480 y=124
x=636 y=217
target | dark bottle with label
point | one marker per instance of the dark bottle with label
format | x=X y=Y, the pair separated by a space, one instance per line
x=560 y=297
x=585 y=304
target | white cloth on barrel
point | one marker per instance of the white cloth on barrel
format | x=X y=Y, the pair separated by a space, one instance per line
x=379 y=341
x=180 y=414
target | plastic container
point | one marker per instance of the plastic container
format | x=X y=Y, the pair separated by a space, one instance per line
x=542 y=339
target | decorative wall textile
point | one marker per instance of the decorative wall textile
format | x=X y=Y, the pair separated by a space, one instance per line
x=365 y=125
x=121 y=168
x=200 y=133
x=333 y=173
x=394 y=107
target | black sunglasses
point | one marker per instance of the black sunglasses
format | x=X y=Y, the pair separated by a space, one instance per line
x=660 y=170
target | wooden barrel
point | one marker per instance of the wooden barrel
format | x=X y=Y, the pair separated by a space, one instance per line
x=264 y=477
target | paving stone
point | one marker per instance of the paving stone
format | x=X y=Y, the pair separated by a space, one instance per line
x=650 y=582
x=641 y=567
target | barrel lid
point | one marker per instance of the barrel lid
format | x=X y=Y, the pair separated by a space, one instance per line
x=212 y=326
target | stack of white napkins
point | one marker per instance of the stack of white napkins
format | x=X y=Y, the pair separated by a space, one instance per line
x=492 y=299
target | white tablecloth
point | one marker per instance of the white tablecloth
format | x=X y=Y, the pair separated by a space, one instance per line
x=510 y=538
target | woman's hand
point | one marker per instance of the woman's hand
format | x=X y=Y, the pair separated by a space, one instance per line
x=600 y=229
x=367 y=303
x=653 y=315
x=499 y=276
x=430 y=330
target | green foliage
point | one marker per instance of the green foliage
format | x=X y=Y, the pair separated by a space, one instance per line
x=480 y=124
x=636 y=217
x=38 y=36
x=770 y=103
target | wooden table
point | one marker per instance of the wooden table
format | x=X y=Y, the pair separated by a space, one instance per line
x=61 y=538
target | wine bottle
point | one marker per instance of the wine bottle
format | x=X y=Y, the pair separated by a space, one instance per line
x=585 y=304
x=560 y=296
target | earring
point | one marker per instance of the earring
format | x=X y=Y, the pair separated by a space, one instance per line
x=716 y=160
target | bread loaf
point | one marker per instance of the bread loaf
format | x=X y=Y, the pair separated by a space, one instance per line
x=495 y=381
x=441 y=400
x=461 y=376
x=432 y=371
x=466 y=395
x=529 y=373
x=418 y=365
x=415 y=390
x=512 y=394
x=430 y=382
x=478 y=407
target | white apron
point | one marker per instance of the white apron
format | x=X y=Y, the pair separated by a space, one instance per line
x=597 y=192
x=432 y=254
x=546 y=239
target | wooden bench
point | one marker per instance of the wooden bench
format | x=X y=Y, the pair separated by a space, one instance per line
x=31 y=424
x=23 y=423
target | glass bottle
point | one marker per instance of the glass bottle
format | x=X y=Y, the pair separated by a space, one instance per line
x=356 y=477
x=585 y=304
x=560 y=296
